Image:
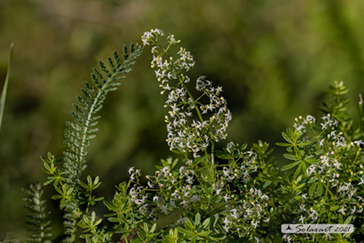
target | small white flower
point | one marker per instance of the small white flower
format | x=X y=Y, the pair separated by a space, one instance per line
x=154 y=49
x=361 y=181
x=181 y=221
x=342 y=210
x=218 y=191
x=302 y=218
x=310 y=118
x=255 y=223
x=226 y=228
x=173 y=203
x=195 y=198
x=144 y=207
x=234 y=213
x=131 y=170
x=248 y=211
x=353 y=210
x=226 y=197
x=189 y=179
x=150 y=184
x=226 y=221
x=322 y=143
x=184 y=203
x=164 y=209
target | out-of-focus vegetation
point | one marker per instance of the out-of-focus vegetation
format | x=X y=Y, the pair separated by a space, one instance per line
x=274 y=59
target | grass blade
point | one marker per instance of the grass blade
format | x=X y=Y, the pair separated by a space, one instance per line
x=3 y=94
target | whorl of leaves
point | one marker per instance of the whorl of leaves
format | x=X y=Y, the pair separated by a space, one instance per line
x=37 y=217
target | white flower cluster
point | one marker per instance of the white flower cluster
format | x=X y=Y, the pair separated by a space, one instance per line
x=138 y=195
x=338 y=167
x=248 y=166
x=134 y=173
x=301 y=123
x=154 y=34
x=175 y=189
x=189 y=127
x=244 y=216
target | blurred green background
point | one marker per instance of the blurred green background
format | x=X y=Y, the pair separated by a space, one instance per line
x=274 y=60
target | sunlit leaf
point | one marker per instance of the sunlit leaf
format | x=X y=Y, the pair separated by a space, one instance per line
x=5 y=88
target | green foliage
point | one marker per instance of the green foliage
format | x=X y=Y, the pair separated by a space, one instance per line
x=80 y=133
x=235 y=194
x=38 y=217
x=327 y=185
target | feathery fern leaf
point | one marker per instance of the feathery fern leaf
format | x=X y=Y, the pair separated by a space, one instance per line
x=79 y=134
x=37 y=217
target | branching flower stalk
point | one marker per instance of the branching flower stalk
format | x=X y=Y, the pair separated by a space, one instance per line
x=193 y=126
x=185 y=133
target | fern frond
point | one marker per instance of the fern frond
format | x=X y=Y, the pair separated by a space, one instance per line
x=37 y=218
x=80 y=132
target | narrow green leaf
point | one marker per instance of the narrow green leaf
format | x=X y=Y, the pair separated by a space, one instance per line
x=290 y=156
x=5 y=88
x=93 y=216
x=304 y=144
x=320 y=188
x=146 y=228
x=197 y=219
x=114 y=220
x=222 y=154
x=300 y=186
x=304 y=167
x=183 y=231
x=153 y=228
x=47 y=182
x=206 y=223
x=216 y=218
x=204 y=233
x=347 y=221
x=267 y=183
x=298 y=170
x=218 y=237
x=177 y=151
x=98 y=222
x=334 y=208
x=188 y=223
x=312 y=161
x=286 y=137
x=312 y=189
x=175 y=162
x=290 y=166
x=283 y=144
